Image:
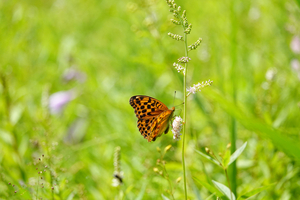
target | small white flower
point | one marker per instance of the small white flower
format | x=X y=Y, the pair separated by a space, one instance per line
x=115 y=182
x=118 y=179
x=191 y=90
x=196 y=87
x=179 y=68
x=184 y=59
x=177 y=124
x=270 y=75
x=118 y=174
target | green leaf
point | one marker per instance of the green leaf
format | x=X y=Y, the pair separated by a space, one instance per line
x=71 y=196
x=142 y=191
x=208 y=157
x=194 y=187
x=210 y=197
x=289 y=146
x=226 y=159
x=15 y=114
x=224 y=189
x=164 y=197
x=209 y=187
x=254 y=192
x=6 y=137
x=237 y=153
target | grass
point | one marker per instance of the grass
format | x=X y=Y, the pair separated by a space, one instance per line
x=123 y=50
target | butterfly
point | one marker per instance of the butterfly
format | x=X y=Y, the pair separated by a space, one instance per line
x=153 y=116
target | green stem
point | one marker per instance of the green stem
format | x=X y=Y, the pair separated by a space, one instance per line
x=233 y=54
x=228 y=181
x=168 y=179
x=6 y=95
x=184 y=115
x=167 y=175
x=232 y=168
x=37 y=187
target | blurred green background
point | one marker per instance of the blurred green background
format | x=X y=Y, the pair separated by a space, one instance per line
x=104 y=52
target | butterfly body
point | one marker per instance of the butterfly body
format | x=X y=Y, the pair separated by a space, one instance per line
x=153 y=116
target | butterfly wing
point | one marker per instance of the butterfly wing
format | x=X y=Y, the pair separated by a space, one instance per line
x=144 y=126
x=146 y=107
x=160 y=125
x=153 y=116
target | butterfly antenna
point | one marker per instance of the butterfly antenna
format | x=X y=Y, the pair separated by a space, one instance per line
x=180 y=104
x=174 y=98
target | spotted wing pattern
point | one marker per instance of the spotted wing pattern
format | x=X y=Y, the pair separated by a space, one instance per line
x=153 y=116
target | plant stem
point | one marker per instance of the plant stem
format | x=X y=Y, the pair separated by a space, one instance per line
x=228 y=181
x=162 y=155
x=168 y=179
x=6 y=95
x=37 y=187
x=184 y=115
x=233 y=56
x=232 y=168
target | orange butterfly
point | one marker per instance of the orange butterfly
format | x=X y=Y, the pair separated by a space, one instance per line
x=153 y=116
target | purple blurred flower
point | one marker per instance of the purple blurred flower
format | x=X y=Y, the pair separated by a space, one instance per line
x=295 y=65
x=295 y=44
x=76 y=131
x=59 y=99
x=73 y=74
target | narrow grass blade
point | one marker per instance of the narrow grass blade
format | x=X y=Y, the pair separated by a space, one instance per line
x=226 y=159
x=208 y=157
x=164 y=197
x=224 y=189
x=247 y=195
x=237 y=153
x=209 y=187
x=286 y=144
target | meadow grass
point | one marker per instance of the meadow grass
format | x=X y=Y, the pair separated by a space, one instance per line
x=68 y=69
